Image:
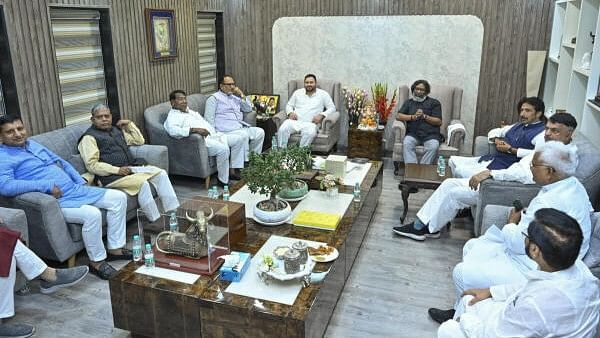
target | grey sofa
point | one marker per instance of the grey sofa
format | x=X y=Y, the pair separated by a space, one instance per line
x=328 y=132
x=187 y=156
x=15 y=219
x=451 y=99
x=503 y=193
x=50 y=236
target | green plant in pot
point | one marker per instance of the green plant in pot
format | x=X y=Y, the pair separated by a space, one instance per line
x=271 y=172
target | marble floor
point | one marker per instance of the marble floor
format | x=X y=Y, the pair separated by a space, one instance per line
x=393 y=282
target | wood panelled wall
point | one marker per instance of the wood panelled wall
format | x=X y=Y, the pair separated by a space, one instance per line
x=511 y=28
x=140 y=82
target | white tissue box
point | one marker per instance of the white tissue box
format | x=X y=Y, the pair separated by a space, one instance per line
x=336 y=165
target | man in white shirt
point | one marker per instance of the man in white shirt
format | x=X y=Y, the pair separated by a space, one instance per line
x=182 y=122
x=560 y=298
x=498 y=256
x=305 y=110
x=225 y=111
x=455 y=194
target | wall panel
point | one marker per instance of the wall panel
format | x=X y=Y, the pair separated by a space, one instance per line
x=511 y=28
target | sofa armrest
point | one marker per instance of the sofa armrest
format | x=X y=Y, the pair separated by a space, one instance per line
x=494 y=215
x=156 y=155
x=279 y=118
x=250 y=118
x=501 y=193
x=483 y=146
x=328 y=122
x=457 y=136
x=15 y=219
x=399 y=130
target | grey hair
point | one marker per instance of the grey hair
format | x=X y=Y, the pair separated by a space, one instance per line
x=97 y=107
x=561 y=157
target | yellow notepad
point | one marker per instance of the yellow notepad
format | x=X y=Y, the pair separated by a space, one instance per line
x=317 y=219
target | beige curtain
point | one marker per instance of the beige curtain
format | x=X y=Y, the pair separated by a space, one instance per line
x=535 y=68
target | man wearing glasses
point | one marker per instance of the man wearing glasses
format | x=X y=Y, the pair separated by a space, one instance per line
x=560 y=298
x=225 y=112
x=498 y=257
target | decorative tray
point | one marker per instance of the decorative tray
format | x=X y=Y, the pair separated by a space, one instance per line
x=277 y=271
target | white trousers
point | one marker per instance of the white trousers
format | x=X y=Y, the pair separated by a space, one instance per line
x=446 y=201
x=482 y=309
x=465 y=167
x=31 y=266
x=226 y=146
x=115 y=203
x=308 y=132
x=165 y=191
x=253 y=141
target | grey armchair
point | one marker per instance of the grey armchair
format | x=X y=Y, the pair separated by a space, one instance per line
x=503 y=193
x=329 y=131
x=187 y=156
x=50 y=236
x=16 y=220
x=451 y=100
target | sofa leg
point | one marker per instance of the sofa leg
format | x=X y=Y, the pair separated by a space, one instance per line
x=71 y=261
x=207 y=182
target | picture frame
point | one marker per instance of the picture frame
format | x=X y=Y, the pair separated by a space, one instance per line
x=161 y=33
x=265 y=104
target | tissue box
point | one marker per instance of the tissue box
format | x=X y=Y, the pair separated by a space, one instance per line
x=336 y=165
x=235 y=275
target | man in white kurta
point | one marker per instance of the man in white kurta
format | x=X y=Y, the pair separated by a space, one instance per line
x=558 y=299
x=455 y=194
x=123 y=174
x=305 y=110
x=182 y=121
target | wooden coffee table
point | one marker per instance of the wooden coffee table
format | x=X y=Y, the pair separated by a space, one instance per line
x=417 y=176
x=155 y=307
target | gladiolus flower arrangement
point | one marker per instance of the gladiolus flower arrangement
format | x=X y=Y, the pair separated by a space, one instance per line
x=380 y=101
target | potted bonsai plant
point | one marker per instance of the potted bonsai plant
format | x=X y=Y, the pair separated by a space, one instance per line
x=269 y=173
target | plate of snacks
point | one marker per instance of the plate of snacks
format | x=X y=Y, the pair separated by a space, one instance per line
x=323 y=253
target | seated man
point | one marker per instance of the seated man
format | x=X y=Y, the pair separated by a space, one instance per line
x=182 y=121
x=225 y=112
x=305 y=110
x=512 y=142
x=498 y=256
x=455 y=194
x=560 y=298
x=105 y=152
x=15 y=254
x=27 y=166
x=423 y=117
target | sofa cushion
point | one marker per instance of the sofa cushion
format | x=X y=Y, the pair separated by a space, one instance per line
x=589 y=157
x=592 y=258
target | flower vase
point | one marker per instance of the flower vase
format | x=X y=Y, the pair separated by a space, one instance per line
x=332 y=192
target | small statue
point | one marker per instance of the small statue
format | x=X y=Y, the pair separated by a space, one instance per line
x=192 y=243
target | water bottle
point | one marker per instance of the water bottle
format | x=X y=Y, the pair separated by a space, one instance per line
x=173 y=226
x=137 y=249
x=209 y=194
x=215 y=193
x=356 y=192
x=226 y=193
x=441 y=166
x=149 y=256
x=274 y=144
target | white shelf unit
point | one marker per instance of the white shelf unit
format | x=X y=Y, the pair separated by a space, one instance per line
x=568 y=85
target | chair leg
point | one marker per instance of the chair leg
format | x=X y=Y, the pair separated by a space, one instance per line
x=207 y=182
x=71 y=261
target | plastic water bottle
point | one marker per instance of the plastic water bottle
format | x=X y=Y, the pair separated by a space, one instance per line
x=215 y=193
x=226 y=193
x=149 y=256
x=441 y=166
x=173 y=226
x=274 y=144
x=137 y=249
x=356 y=192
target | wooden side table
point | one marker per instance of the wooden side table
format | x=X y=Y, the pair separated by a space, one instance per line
x=270 y=129
x=365 y=143
x=417 y=176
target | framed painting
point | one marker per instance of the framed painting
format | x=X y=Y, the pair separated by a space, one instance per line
x=161 y=34
x=265 y=104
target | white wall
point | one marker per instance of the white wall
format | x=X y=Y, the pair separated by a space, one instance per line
x=361 y=50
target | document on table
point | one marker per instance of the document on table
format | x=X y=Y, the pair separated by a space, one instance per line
x=178 y=276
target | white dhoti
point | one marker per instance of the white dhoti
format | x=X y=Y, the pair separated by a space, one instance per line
x=31 y=266
x=165 y=192
x=465 y=167
x=446 y=201
x=115 y=203
x=307 y=130
x=253 y=141
x=483 y=309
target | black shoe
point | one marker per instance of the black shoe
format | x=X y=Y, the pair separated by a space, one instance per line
x=105 y=271
x=126 y=255
x=64 y=278
x=441 y=316
x=410 y=232
x=234 y=177
x=16 y=330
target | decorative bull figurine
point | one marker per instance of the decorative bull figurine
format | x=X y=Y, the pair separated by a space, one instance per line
x=192 y=243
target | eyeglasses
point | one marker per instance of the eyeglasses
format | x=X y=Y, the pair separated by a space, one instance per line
x=531 y=165
x=525 y=234
x=229 y=84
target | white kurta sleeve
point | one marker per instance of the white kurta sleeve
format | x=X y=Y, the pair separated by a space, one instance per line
x=291 y=104
x=245 y=105
x=210 y=110
x=539 y=138
x=518 y=172
x=175 y=126
x=328 y=103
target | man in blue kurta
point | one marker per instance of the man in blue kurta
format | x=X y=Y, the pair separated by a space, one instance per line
x=27 y=166
x=512 y=142
x=225 y=110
